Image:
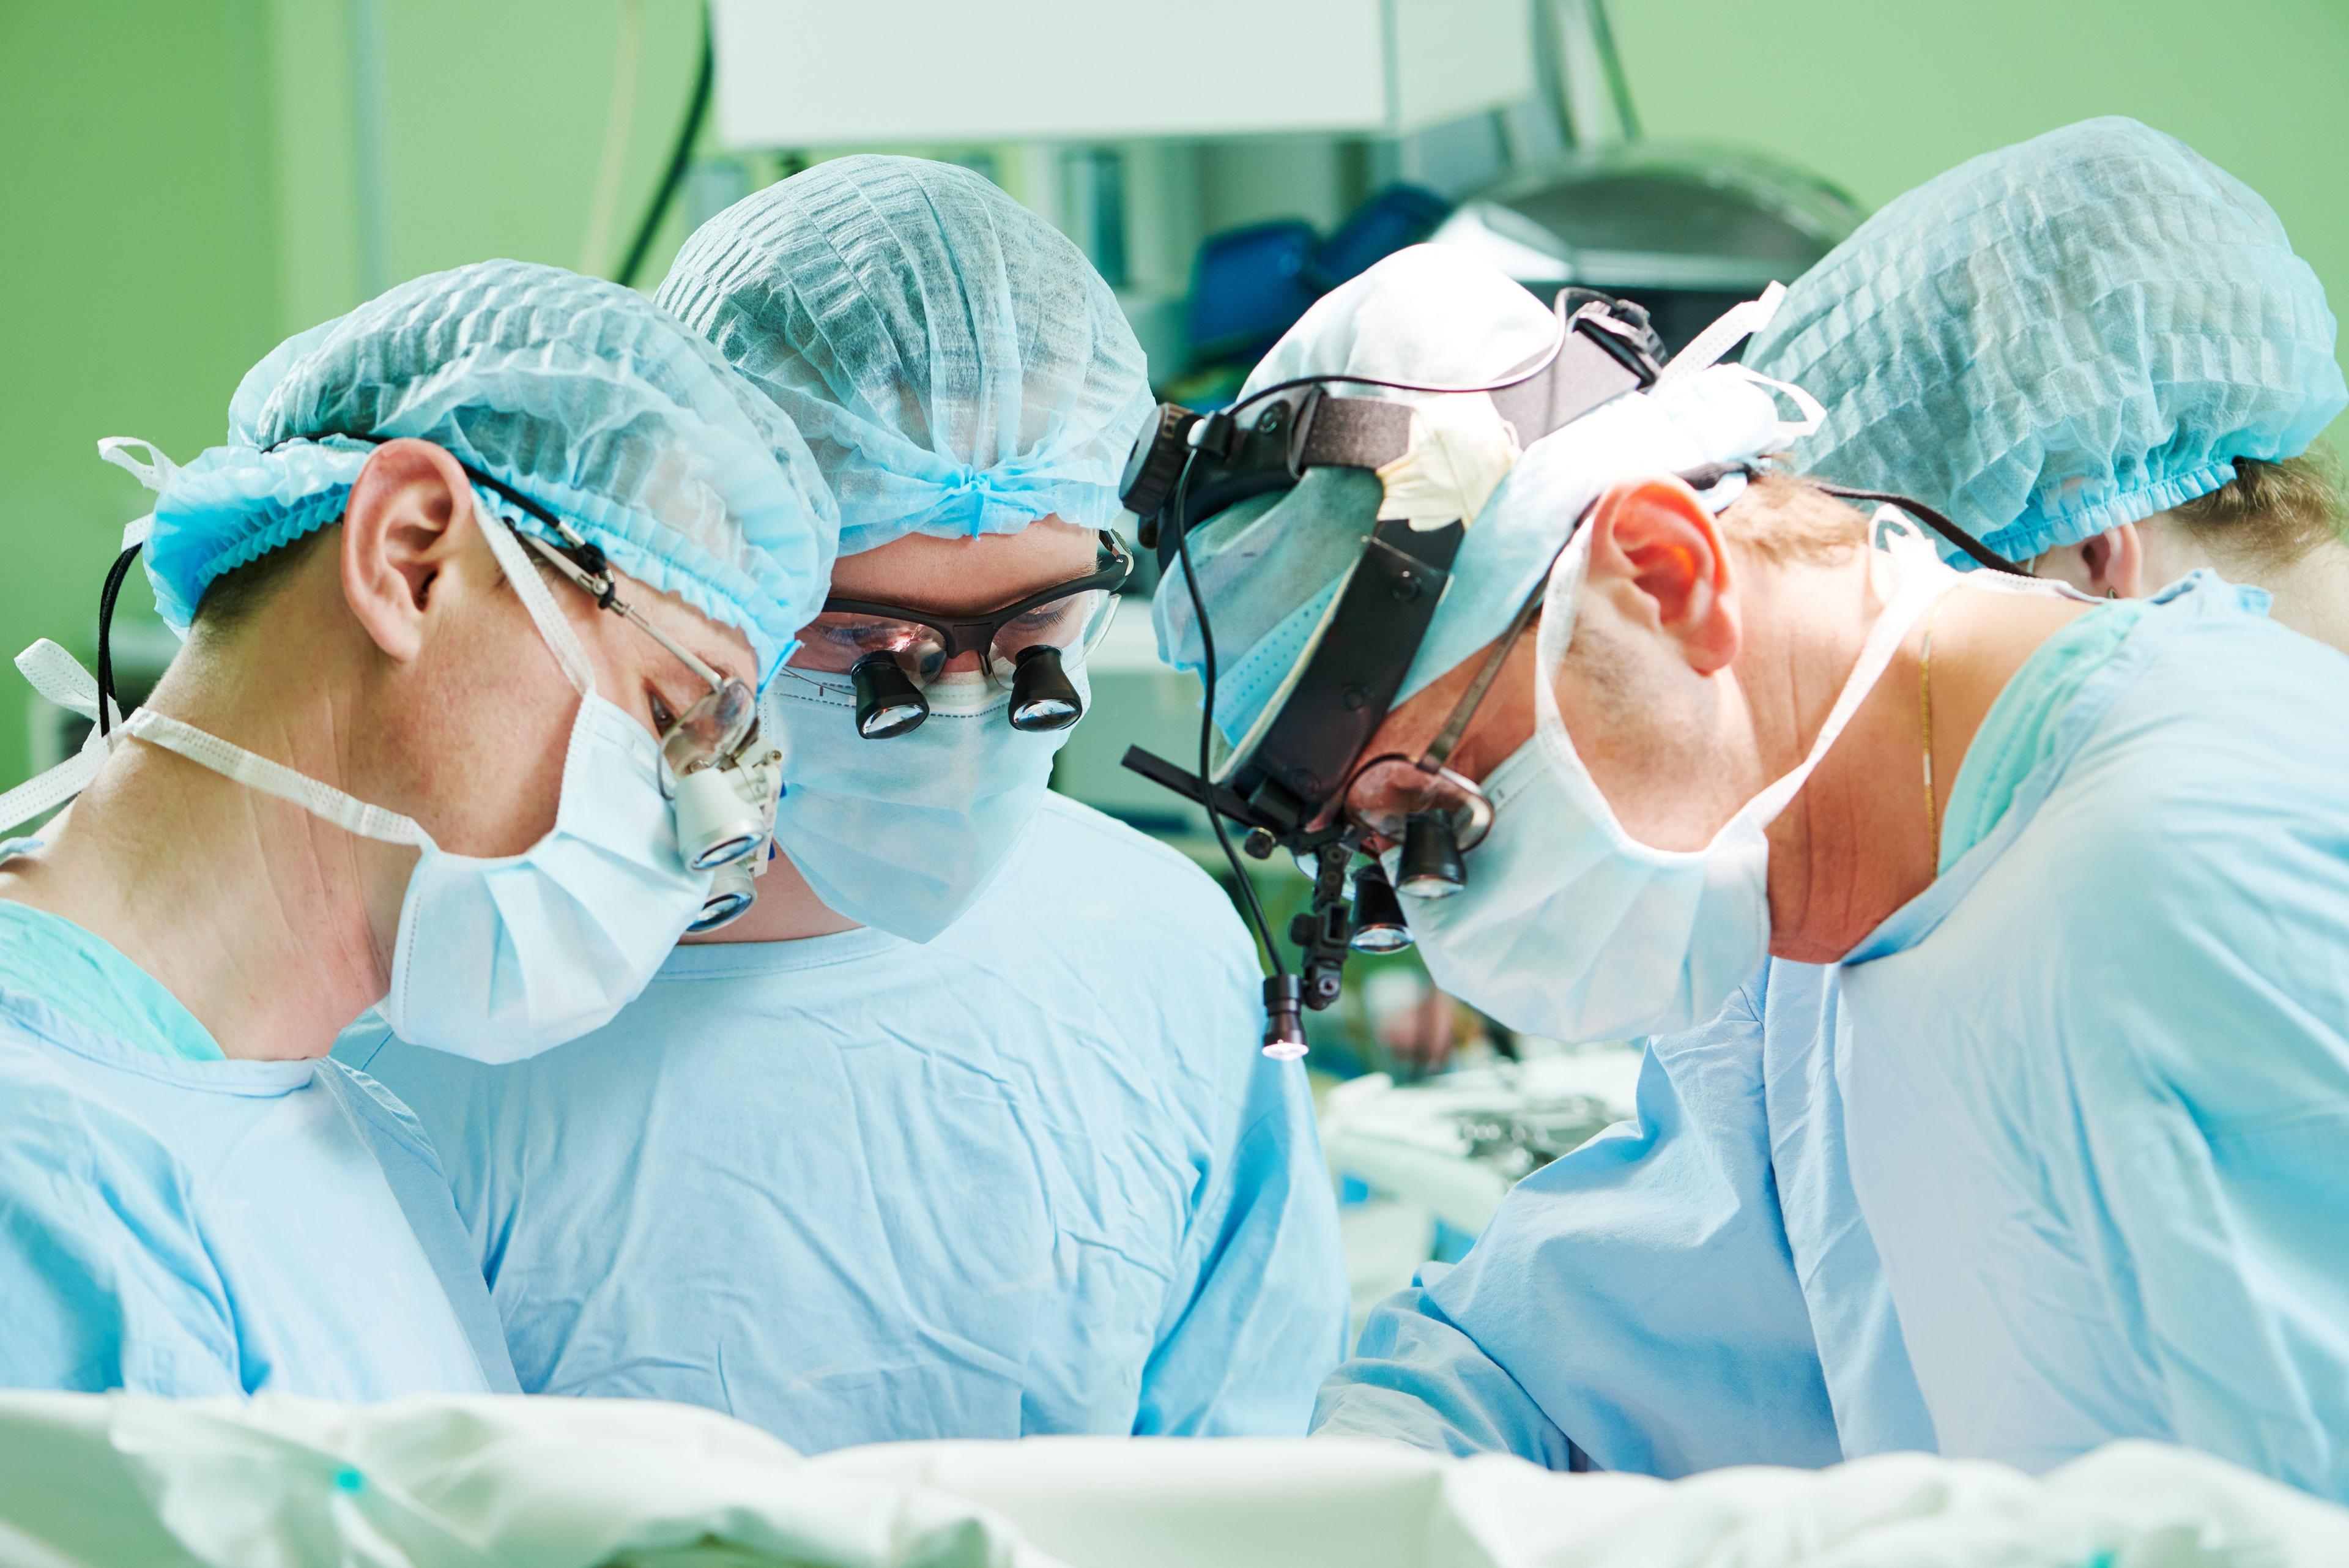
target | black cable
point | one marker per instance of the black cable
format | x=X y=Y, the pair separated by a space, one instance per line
x=106 y=597
x=1254 y=908
x=665 y=194
x=1980 y=554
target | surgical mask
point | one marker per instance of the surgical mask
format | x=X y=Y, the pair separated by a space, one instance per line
x=1570 y=927
x=904 y=833
x=500 y=958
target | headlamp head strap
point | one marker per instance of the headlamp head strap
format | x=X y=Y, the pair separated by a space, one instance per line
x=1267 y=442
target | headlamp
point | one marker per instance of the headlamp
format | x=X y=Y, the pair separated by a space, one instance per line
x=1283 y=782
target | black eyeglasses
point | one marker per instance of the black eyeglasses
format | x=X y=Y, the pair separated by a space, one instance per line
x=890 y=653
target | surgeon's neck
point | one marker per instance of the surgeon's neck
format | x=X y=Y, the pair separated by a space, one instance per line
x=260 y=917
x=1855 y=845
x=787 y=911
x=2311 y=595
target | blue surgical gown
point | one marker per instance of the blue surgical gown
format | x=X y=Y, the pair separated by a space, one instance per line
x=2024 y=1331
x=1691 y=1289
x=1034 y=1176
x=173 y=1223
x=2097 y=1075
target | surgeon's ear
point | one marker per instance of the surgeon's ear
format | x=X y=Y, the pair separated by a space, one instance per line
x=407 y=519
x=2107 y=565
x=1657 y=550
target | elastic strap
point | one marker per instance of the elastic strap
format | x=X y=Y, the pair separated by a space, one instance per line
x=53 y=788
x=1813 y=414
x=1732 y=327
x=1928 y=582
x=155 y=471
x=60 y=678
x=255 y=771
x=561 y=641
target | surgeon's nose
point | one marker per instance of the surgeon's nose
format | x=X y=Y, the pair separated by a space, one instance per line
x=967 y=663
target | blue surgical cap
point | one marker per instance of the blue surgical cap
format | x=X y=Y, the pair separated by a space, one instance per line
x=956 y=365
x=578 y=393
x=2059 y=338
x=1271 y=568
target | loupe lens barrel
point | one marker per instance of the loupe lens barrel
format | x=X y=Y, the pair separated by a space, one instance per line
x=1379 y=924
x=887 y=701
x=731 y=894
x=1042 y=696
x=1430 y=866
x=715 y=826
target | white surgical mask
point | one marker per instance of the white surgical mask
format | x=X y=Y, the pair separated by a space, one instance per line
x=904 y=833
x=500 y=958
x=1570 y=927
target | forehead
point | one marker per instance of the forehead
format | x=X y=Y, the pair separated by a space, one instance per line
x=722 y=648
x=950 y=577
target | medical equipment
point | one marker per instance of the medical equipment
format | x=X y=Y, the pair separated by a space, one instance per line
x=501 y=957
x=1684 y=230
x=1281 y=785
x=1226 y=67
x=721 y=779
x=890 y=652
x=1456 y=1142
x=962 y=373
x=1572 y=926
x=1323 y=670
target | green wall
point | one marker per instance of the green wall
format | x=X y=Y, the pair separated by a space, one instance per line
x=1881 y=95
x=176 y=195
x=138 y=278
x=178 y=186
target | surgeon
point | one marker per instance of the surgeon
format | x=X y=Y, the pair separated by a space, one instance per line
x=2064 y=854
x=482 y=571
x=962 y=1129
x=2038 y=327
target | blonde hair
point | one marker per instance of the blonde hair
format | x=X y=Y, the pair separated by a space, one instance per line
x=1787 y=520
x=2270 y=514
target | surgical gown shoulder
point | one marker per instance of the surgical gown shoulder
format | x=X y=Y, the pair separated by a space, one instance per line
x=2105 y=1071
x=2209 y=827
x=2188 y=849
x=2168 y=919
x=108 y=1280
